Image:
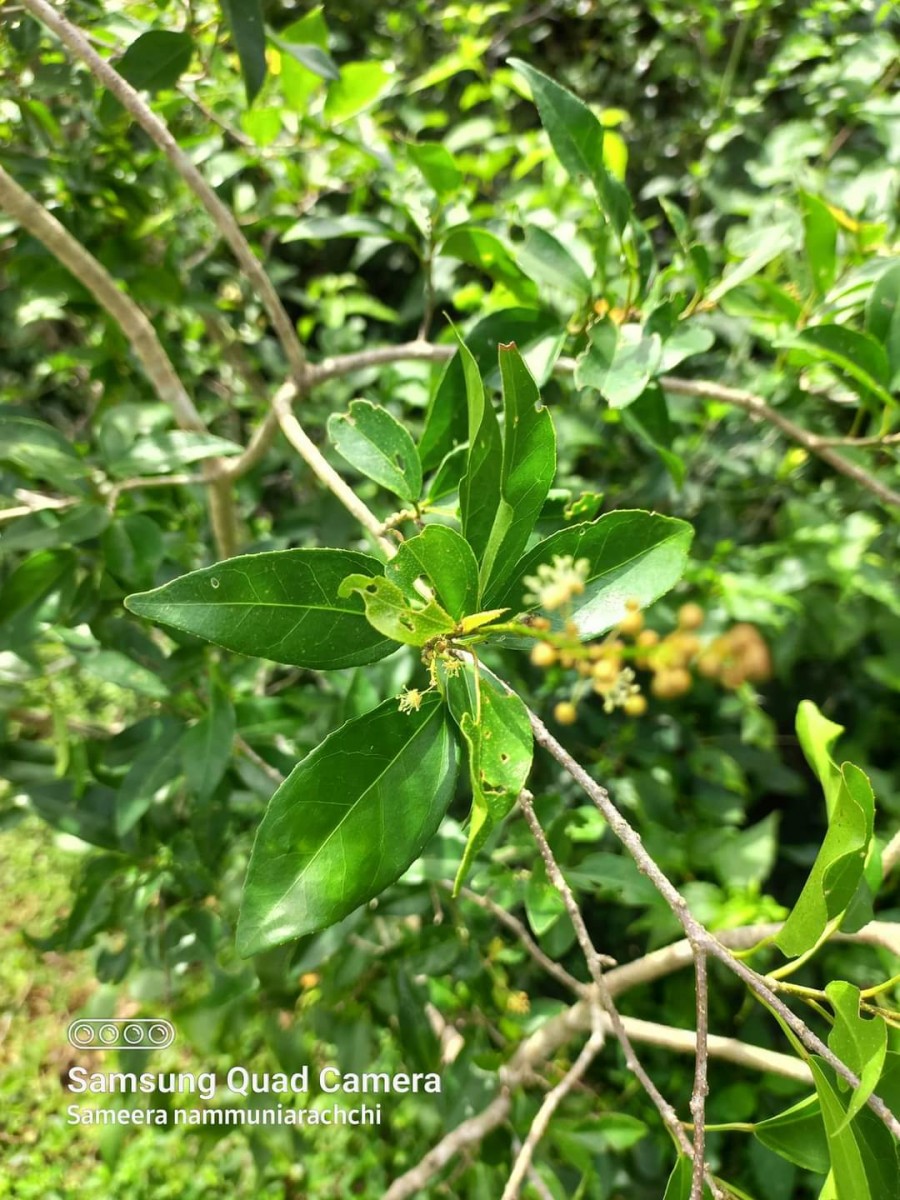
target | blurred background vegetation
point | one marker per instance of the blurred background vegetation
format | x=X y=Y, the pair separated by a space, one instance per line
x=748 y=127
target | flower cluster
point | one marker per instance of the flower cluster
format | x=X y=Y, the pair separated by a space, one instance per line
x=557 y=582
x=607 y=668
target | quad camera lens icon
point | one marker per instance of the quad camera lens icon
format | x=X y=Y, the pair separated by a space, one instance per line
x=114 y=1033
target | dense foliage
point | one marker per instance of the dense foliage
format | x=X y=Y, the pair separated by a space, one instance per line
x=641 y=450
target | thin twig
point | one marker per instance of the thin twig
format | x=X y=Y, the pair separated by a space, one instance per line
x=513 y=923
x=224 y=220
x=698 y=935
x=551 y=1103
x=324 y=471
x=701 y=1083
x=139 y=331
x=757 y=407
x=595 y=963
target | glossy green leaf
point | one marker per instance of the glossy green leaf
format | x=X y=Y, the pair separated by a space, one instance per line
x=448 y=477
x=544 y=259
x=374 y=442
x=298 y=82
x=352 y=225
x=820 y=238
x=438 y=166
x=282 y=605
x=160 y=453
x=856 y=355
x=797 y=1134
x=686 y=339
x=479 y=491
x=883 y=319
x=157 y=59
x=482 y=249
x=495 y=726
x=245 y=19
x=859 y=1042
x=157 y=763
x=32 y=580
x=444 y=560
x=361 y=84
x=619 y=362
x=648 y=419
x=630 y=554
x=311 y=56
x=405 y=617
x=577 y=138
x=851 y=1182
x=446 y=423
x=527 y=469
x=817 y=735
x=838 y=868
x=133 y=548
x=347 y=822
x=114 y=667
x=763 y=246
x=206 y=746
x=40 y=450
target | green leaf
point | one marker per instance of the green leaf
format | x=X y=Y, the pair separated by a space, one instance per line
x=32 y=580
x=40 y=450
x=839 y=864
x=820 y=236
x=631 y=554
x=527 y=469
x=445 y=561
x=859 y=1042
x=282 y=605
x=311 y=56
x=374 y=442
x=298 y=82
x=160 y=453
x=113 y=667
x=619 y=362
x=851 y=1182
x=485 y=251
x=133 y=548
x=648 y=419
x=406 y=618
x=347 y=822
x=353 y=225
x=361 y=84
x=499 y=741
x=438 y=166
x=797 y=1134
x=157 y=763
x=883 y=319
x=445 y=421
x=479 y=491
x=856 y=354
x=156 y=60
x=448 y=477
x=548 y=263
x=687 y=339
x=245 y=19
x=679 y=1185
x=766 y=244
x=577 y=138
x=206 y=746
x=817 y=735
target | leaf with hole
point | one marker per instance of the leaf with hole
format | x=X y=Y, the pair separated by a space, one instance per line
x=495 y=727
x=444 y=560
x=347 y=822
x=374 y=442
x=405 y=617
